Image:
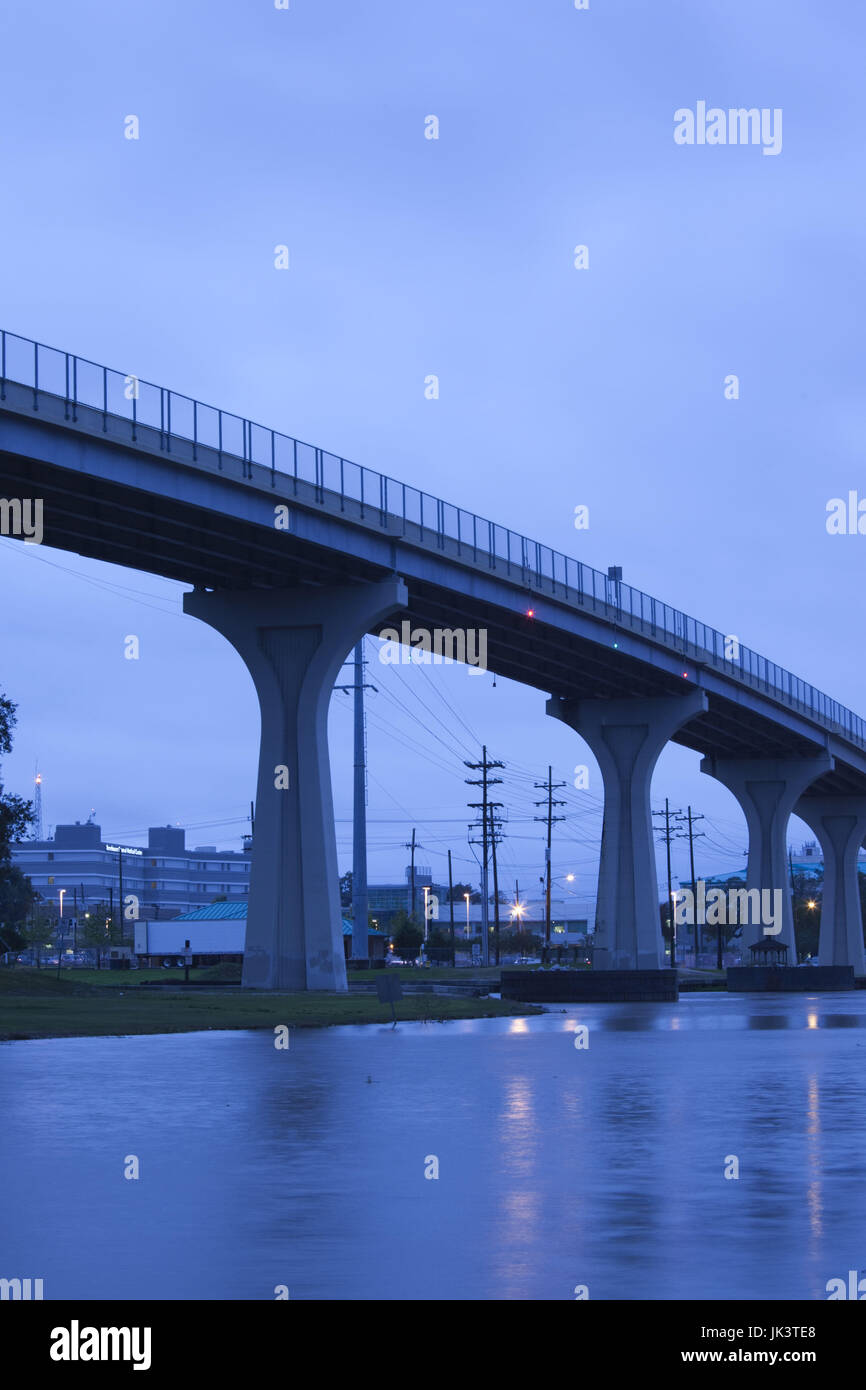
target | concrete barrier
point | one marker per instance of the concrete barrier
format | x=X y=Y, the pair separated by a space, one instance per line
x=789 y=979
x=589 y=986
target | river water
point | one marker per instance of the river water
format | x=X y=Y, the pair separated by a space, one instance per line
x=602 y=1166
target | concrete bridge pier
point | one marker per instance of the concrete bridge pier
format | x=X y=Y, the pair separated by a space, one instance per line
x=293 y=642
x=626 y=738
x=768 y=790
x=840 y=825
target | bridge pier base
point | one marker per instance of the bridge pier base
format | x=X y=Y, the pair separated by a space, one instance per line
x=293 y=643
x=626 y=738
x=840 y=825
x=768 y=791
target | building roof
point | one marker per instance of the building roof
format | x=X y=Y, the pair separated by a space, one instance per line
x=214 y=912
x=222 y=912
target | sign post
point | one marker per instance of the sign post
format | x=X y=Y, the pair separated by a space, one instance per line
x=389 y=988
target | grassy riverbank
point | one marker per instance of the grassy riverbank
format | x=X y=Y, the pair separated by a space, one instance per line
x=35 y=1004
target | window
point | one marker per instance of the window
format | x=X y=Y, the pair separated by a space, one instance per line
x=51 y=854
x=153 y=863
x=51 y=879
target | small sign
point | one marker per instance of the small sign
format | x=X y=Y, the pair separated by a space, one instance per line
x=389 y=989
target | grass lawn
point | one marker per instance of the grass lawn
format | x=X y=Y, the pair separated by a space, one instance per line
x=34 y=1004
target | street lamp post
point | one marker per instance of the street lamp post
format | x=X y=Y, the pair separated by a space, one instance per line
x=425 y=890
x=60 y=931
x=466 y=896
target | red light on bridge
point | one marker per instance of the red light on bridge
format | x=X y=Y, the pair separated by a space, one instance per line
x=530 y=612
x=685 y=675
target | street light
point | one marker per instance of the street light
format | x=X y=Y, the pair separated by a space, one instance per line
x=61 y=891
x=425 y=889
x=674 y=894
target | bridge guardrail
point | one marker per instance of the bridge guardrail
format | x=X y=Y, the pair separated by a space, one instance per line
x=82 y=384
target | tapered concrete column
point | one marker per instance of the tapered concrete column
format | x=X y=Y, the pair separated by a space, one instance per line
x=626 y=737
x=294 y=642
x=768 y=791
x=840 y=825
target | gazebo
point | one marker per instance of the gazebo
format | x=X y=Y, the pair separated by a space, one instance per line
x=769 y=951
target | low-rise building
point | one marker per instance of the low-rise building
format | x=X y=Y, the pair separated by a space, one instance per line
x=79 y=868
x=215 y=933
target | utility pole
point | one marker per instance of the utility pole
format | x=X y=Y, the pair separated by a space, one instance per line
x=360 y=904
x=667 y=835
x=494 y=838
x=451 y=905
x=411 y=846
x=691 y=819
x=485 y=782
x=549 y=786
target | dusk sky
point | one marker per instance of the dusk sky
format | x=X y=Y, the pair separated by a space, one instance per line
x=409 y=257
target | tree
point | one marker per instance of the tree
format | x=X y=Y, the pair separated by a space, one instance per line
x=100 y=928
x=406 y=934
x=346 y=889
x=16 y=893
x=458 y=892
x=807 y=892
x=16 y=900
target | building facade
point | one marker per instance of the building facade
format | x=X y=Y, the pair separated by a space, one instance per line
x=79 y=869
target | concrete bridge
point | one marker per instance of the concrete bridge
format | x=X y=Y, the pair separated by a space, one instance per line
x=294 y=553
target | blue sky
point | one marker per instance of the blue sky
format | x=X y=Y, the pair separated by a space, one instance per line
x=453 y=256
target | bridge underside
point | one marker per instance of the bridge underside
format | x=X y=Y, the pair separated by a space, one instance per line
x=622 y=689
x=209 y=548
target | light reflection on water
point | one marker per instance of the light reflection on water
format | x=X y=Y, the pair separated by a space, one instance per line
x=557 y=1166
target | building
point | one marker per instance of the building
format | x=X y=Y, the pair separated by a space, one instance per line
x=80 y=869
x=385 y=900
x=215 y=933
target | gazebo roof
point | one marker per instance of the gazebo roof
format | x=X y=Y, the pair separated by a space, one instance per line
x=767 y=943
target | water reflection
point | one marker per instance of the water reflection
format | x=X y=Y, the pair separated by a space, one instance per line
x=557 y=1166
